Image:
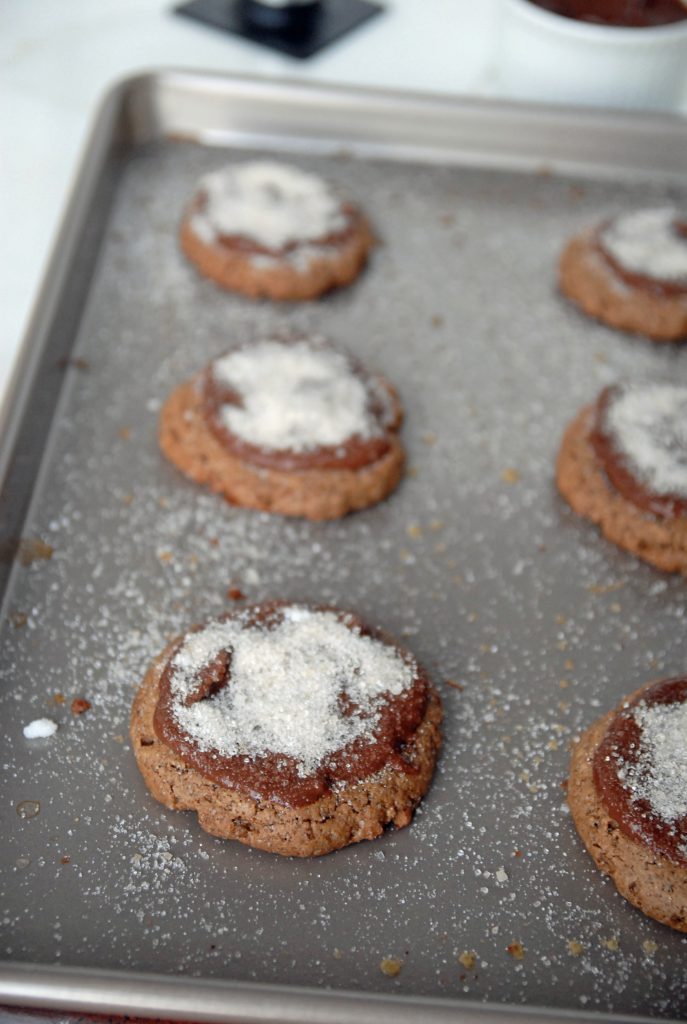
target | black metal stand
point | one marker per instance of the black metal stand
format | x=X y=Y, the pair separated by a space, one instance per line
x=299 y=30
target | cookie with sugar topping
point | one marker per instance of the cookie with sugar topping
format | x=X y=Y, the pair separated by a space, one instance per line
x=291 y=728
x=623 y=464
x=271 y=230
x=631 y=273
x=627 y=793
x=291 y=426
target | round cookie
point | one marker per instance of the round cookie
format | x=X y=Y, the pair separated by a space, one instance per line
x=267 y=229
x=631 y=273
x=627 y=793
x=623 y=464
x=294 y=427
x=293 y=729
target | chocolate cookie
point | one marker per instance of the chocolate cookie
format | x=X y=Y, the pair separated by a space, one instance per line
x=294 y=427
x=628 y=798
x=270 y=230
x=294 y=729
x=623 y=464
x=631 y=273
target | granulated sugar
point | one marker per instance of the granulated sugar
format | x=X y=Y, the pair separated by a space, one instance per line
x=286 y=681
x=659 y=776
x=646 y=242
x=649 y=425
x=271 y=203
x=298 y=396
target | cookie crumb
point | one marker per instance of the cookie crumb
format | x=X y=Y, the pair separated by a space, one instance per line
x=612 y=944
x=235 y=594
x=33 y=549
x=516 y=950
x=429 y=438
x=18 y=619
x=59 y=698
x=649 y=947
x=575 y=948
x=79 y=705
x=454 y=685
x=510 y=475
x=65 y=860
x=337 y=954
x=390 y=967
x=468 y=959
x=124 y=433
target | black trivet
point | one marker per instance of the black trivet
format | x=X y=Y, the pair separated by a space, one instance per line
x=299 y=31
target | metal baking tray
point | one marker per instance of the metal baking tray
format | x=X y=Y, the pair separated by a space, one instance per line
x=112 y=903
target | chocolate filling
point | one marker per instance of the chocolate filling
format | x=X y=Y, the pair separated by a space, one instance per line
x=274 y=776
x=624 y=13
x=621 y=745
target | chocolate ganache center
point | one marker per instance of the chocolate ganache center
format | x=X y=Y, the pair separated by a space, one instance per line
x=286 y=702
x=640 y=769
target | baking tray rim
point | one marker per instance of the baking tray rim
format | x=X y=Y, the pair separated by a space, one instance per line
x=129 y=116
x=95 y=990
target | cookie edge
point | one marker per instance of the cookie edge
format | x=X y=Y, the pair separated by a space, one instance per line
x=316 y=494
x=338 y=819
x=645 y=879
x=583 y=484
x=588 y=281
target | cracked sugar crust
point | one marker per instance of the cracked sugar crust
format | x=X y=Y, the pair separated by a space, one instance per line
x=187 y=441
x=650 y=882
x=589 y=281
x=310 y=244
x=584 y=485
x=347 y=815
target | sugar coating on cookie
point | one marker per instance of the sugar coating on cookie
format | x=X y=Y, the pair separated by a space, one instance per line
x=292 y=728
x=268 y=229
x=648 y=424
x=657 y=775
x=298 y=396
x=285 y=685
x=648 y=243
x=272 y=204
x=628 y=798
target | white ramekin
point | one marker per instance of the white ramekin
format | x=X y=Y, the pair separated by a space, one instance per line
x=544 y=56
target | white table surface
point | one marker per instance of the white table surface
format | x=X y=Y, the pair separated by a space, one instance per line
x=57 y=58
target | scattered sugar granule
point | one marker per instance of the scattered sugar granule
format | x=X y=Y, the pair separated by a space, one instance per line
x=40 y=728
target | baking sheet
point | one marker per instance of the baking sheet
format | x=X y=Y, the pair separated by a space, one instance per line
x=475 y=562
